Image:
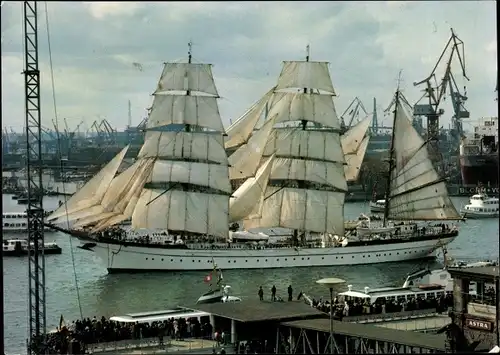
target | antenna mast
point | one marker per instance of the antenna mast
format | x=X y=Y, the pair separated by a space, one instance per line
x=36 y=263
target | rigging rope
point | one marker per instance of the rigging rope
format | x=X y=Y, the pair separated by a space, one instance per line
x=56 y=120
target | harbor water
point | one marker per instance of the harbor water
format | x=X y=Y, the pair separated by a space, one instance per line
x=95 y=293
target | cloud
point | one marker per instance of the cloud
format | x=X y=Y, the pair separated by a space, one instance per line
x=95 y=45
x=102 y=9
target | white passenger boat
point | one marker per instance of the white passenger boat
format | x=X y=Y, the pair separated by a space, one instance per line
x=442 y=277
x=19 y=247
x=160 y=316
x=293 y=168
x=16 y=222
x=481 y=206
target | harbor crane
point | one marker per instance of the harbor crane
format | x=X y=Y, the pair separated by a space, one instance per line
x=435 y=92
x=352 y=111
x=36 y=264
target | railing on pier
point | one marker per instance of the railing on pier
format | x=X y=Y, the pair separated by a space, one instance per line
x=392 y=316
x=153 y=342
x=421 y=325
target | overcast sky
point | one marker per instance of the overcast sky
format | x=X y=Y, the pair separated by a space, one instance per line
x=94 y=46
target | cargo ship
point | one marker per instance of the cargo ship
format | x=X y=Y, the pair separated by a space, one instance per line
x=479 y=154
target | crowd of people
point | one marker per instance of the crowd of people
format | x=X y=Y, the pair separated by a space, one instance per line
x=75 y=337
x=351 y=306
x=487 y=298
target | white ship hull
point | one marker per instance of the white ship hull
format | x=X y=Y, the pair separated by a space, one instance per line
x=478 y=215
x=120 y=258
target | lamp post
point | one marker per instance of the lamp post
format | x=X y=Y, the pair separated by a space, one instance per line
x=331 y=283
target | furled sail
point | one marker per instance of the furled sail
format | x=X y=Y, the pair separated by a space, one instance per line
x=307 y=185
x=249 y=194
x=417 y=192
x=240 y=131
x=92 y=192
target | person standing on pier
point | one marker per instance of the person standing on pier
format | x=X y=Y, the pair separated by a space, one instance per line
x=290 y=293
x=261 y=294
x=273 y=293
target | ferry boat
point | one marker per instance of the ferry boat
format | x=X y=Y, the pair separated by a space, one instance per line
x=423 y=283
x=384 y=294
x=16 y=222
x=180 y=184
x=481 y=206
x=19 y=247
x=160 y=316
x=442 y=277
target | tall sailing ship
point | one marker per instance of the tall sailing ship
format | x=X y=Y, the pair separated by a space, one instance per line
x=293 y=168
x=415 y=191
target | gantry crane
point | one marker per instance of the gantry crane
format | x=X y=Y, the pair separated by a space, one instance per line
x=354 y=108
x=459 y=111
x=435 y=92
x=36 y=263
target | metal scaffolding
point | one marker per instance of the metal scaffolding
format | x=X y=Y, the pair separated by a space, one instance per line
x=36 y=266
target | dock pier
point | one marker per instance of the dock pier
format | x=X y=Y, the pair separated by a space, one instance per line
x=297 y=328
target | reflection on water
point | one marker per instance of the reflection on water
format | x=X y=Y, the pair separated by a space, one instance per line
x=103 y=294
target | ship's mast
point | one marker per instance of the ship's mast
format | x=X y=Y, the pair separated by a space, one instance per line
x=308 y=51
x=391 y=154
x=301 y=184
x=187 y=127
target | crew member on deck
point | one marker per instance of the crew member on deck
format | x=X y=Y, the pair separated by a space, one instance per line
x=261 y=294
x=273 y=293
x=290 y=292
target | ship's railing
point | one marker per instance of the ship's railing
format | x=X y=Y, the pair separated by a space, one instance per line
x=393 y=316
x=421 y=231
x=423 y=324
x=185 y=344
